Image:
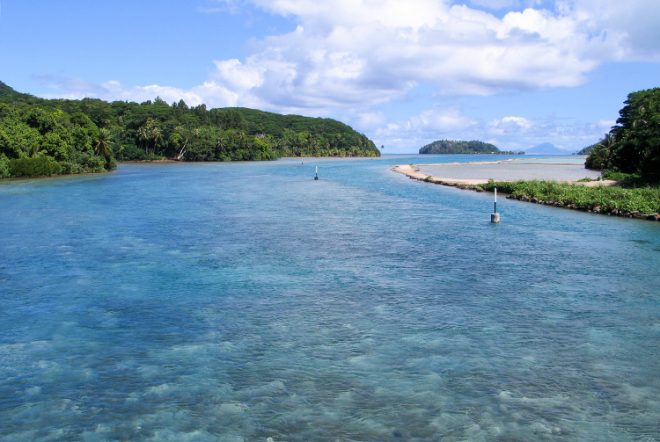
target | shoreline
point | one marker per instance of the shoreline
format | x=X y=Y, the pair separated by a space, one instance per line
x=13 y=179
x=413 y=172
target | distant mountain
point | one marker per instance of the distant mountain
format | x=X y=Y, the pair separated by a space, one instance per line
x=546 y=149
x=461 y=147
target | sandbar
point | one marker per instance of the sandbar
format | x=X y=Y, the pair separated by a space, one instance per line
x=475 y=173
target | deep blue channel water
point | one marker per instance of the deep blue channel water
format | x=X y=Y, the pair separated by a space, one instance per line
x=246 y=301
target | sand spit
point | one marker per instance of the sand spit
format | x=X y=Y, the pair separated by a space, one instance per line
x=413 y=171
x=499 y=171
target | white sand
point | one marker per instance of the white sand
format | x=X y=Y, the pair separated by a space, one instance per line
x=473 y=173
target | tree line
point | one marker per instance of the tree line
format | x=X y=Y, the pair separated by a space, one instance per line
x=463 y=147
x=633 y=145
x=47 y=137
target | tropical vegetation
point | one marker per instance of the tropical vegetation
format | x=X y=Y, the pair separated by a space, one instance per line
x=462 y=147
x=633 y=145
x=615 y=200
x=629 y=154
x=587 y=150
x=47 y=137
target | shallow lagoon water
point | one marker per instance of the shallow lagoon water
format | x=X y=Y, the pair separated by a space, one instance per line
x=246 y=301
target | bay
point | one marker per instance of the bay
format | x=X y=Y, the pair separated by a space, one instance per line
x=246 y=301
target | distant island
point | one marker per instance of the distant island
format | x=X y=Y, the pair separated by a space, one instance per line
x=628 y=158
x=43 y=137
x=546 y=149
x=463 y=147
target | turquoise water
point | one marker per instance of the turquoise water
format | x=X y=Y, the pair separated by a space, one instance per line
x=246 y=301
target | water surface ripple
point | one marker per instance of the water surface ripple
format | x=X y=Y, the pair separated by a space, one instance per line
x=245 y=301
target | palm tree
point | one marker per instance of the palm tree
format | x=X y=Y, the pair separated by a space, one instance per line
x=600 y=156
x=150 y=133
x=102 y=147
x=156 y=135
x=143 y=136
x=35 y=150
x=608 y=143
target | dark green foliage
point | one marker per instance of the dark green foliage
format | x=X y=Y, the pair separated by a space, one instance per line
x=619 y=176
x=88 y=135
x=7 y=91
x=41 y=141
x=586 y=150
x=294 y=135
x=598 y=157
x=154 y=130
x=4 y=167
x=461 y=147
x=35 y=166
x=644 y=200
x=633 y=145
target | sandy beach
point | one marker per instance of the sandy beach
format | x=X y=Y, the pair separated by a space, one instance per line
x=475 y=173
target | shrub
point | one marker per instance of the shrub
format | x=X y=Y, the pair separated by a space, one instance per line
x=640 y=199
x=70 y=168
x=4 y=167
x=110 y=164
x=617 y=176
x=130 y=152
x=93 y=163
x=598 y=157
x=34 y=166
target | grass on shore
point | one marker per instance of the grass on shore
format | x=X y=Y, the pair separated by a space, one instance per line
x=604 y=199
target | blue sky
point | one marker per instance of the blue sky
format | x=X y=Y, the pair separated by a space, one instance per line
x=513 y=72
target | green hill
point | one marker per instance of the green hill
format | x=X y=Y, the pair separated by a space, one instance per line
x=43 y=137
x=461 y=147
x=5 y=90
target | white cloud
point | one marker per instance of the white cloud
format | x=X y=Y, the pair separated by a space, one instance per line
x=238 y=76
x=366 y=52
x=348 y=53
x=509 y=125
x=114 y=90
x=519 y=133
x=606 y=124
x=117 y=91
x=633 y=27
x=427 y=126
x=439 y=120
x=349 y=56
x=507 y=132
x=370 y=120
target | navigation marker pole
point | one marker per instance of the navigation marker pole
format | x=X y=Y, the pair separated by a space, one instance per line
x=495 y=201
x=495 y=217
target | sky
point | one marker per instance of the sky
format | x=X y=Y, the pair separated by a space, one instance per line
x=516 y=73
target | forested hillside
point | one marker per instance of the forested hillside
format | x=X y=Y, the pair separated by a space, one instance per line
x=46 y=137
x=461 y=147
